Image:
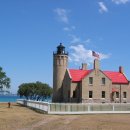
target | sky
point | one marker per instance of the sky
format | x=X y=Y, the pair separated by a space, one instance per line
x=30 y=30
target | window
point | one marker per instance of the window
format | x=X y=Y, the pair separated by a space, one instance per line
x=103 y=81
x=90 y=94
x=124 y=95
x=103 y=94
x=90 y=80
x=117 y=94
x=59 y=61
x=74 y=94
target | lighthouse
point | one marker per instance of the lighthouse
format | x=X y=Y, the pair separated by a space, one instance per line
x=60 y=63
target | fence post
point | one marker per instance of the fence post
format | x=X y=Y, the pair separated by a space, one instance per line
x=48 y=111
x=68 y=107
x=113 y=107
x=88 y=107
x=60 y=106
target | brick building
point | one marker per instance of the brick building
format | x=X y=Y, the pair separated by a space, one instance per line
x=87 y=85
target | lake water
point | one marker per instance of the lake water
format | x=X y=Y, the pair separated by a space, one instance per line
x=10 y=98
x=13 y=98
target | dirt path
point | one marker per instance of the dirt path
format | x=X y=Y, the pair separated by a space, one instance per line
x=46 y=123
x=82 y=122
x=39 y=124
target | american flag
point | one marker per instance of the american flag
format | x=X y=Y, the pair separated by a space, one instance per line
x=95 y=54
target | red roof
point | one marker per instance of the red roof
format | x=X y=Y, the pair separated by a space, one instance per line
x=78 y=75
x=116 y=77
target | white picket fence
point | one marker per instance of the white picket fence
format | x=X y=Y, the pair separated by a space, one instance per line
x=76 y=108
x=34 y=104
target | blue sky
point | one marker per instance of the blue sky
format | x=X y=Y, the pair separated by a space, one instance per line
x=30 y=31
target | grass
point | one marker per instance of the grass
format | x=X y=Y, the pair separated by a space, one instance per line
x=21 y=118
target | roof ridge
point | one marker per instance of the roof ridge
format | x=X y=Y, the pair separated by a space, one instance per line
x=81 y=69
x=110 y=71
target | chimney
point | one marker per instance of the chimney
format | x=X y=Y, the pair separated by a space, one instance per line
x=96 y=64
x=121 y=69
x=84 y=66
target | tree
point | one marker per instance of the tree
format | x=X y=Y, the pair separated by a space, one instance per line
x=35 y=91
x=4 y=80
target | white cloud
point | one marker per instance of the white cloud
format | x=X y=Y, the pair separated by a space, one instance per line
x=79 y=54
x=87 y=41
x=102 y=8
x=120 y=1
x=69 y=28
x=75 y=39
x=62 y=14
